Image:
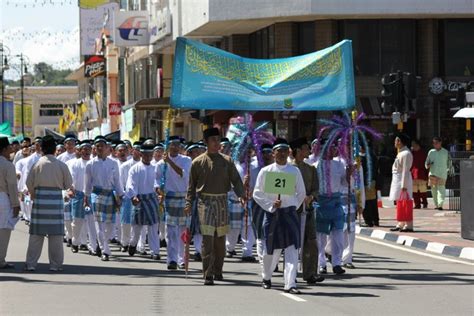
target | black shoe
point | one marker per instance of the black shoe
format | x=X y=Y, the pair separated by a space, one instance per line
x=69 y=243
x=276 y=268
x=338 y=270
x=83 y=248
x=425 y=205
x=155 y=257
x=407 y=230
x=440 y=208
x=349 y=266
x=219 y=277
x=163 y=243
x=376 y=224
x=231 y=254
x=209 y=281
x=98 y=251
x=27 y=222
x=395 y=229
x=197 y=257
x=267 y=284
x=172 y=266
x=417 y=207
x=104 y=257
x=132 y=250
x=114 y=241
x=366 y=225
x=7 y=266
x=293 y=290
x=314 y=279
x=74 y=249
x=143 y=253
x=182 y=266
x=92 y=253
x=323 y=270
x=249 y=259
x=124 y=249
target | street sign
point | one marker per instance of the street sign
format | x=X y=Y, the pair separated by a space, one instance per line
x=115 y=108
x=280 y=183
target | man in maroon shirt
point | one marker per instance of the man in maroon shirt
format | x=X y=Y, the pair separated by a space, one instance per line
x=419 y=174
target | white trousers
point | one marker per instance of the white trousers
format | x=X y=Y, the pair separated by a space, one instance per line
x=4 y=240
x=231 y=239
x=68 y=229
x=247 y=243
x=291 y=265
x=105 y=232
x=77 y=228
x=162 y=227
x=174 y=244
x=83 y=235
x=55 y=251
x=117 y=229
x=92 y=232
x=126 y=234
x=141 y=246
x=337 y=246
x=349 y=240
x=197 y=243
x=153 y=239
x=260 y=248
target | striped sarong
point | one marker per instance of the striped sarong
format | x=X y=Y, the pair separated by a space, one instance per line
x=47 y=216
x=258 y=214
x=352 y=215
x=126 y=211
x=146 y=212
x=103 y=205
x=174 y=206
x=77 y=205
x=329 y=213
x=236 y=212
x=194 y=225
x=213 y=214
x=281 y=229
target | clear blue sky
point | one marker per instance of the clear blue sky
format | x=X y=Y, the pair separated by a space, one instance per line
x=46 y=32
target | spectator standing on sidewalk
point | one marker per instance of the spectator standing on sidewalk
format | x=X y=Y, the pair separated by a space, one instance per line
x=420 y=175
x=438 y=163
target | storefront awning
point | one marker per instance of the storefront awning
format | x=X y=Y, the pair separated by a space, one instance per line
x=149 y=104
x=465 y=113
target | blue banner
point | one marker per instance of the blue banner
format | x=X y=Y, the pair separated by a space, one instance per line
x=205 y=77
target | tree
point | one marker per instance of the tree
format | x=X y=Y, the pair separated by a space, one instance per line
x=45 y=74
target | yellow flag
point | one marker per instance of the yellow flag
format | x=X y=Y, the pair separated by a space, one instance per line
x=61 y=127
x=134 y=135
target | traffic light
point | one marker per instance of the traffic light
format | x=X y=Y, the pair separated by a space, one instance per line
x=388 y=92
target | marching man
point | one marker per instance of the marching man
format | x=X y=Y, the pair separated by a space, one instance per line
x=102 y=178
x=175 y=187
x=281 y=223
x=141 y=189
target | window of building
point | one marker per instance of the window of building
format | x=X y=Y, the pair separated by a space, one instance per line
x=305 y=38
x=51 y=110
x=262 y=43
x=458 y=39
x=381 y=46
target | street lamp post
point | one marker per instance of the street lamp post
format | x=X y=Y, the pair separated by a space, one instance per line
x=22 y=87
x=4 y=66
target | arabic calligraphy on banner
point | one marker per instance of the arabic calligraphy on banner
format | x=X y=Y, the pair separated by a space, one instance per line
x=208 y=78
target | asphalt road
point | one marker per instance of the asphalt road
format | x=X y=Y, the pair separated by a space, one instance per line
x=387 y=281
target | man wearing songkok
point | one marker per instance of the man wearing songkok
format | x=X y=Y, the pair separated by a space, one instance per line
x=225 y=146
x=28 y=165
x=70 y=145
x=281 y=224
x=311 y=160
x=329 y=211
x=141 y=189
x=176 y=183
x=211 y=177
x=158 y=151
x=300 y=152
x=45 y=182
x=9 y=203
x=103 y=185
x=25 y=143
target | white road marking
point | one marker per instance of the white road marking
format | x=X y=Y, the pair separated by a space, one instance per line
x=413 y=251
x=293 y=297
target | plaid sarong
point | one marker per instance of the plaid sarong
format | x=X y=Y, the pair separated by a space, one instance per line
x=213 y=214
x=126 y=211
x=281 y=229
x=258 y=215
x=236 y=212
x=146 y=212
x=174 y=206
x=77 y=205
x=103 y=205
x=47 y=216
x=329 y=213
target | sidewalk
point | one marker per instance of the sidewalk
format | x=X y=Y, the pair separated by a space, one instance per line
x=435 y=231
